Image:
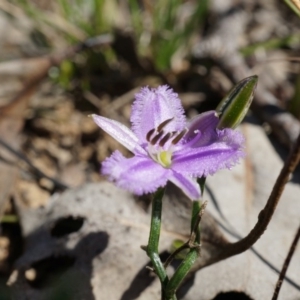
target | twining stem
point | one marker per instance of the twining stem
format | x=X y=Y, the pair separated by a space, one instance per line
x=194 y=239
x=197 y=212
x=193 y=244
x=266 y=214
x=152 y=248
x=169 y=286
x=195 y=220
x=186 y=245
x=181 y=272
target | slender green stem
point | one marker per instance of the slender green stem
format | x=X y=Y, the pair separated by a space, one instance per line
x=195 y=221
x=181 y=273
x=194 y=239
x=201 y=182
x=155 y=221
x=193 y=244
x=196 y=212
x=152 y=248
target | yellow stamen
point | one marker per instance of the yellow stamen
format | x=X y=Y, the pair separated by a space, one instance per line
x=165 y=158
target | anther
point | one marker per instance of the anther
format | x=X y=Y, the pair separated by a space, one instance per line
x=163 y=124
x=179 y=136
x=163 y=141
x=157 y=137
x=149 y=134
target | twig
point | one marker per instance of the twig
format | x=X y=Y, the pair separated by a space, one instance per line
x=38 y=172
x=286 y=264
x=111 y=108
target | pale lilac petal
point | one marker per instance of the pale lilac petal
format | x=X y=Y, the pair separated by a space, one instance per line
x=119 y=132
x=154 y=106
x=201 y=130
x=187 y=184
x=139 y=174
x=202 y=161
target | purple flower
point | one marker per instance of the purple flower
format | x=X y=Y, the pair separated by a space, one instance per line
x=166 y=147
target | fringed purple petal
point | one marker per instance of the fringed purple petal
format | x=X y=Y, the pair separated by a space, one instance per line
x=154 y=106
x=139 y=174
x=224 y=152
x=202 y=130
x=119 y=132
x=187 y=184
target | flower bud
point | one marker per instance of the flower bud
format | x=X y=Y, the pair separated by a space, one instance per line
x=233 y=108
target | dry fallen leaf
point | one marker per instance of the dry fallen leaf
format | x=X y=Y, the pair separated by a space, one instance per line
x=11 y=123
x=30 y=72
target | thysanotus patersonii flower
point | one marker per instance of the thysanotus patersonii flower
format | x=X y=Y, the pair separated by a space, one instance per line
x=166 y=147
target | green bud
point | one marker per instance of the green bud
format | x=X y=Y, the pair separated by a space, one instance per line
x=233 y=108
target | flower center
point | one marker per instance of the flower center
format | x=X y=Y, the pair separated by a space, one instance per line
x=165 y=158
x=160 y=143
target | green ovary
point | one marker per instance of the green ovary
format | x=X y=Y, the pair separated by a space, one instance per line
x=165 y=158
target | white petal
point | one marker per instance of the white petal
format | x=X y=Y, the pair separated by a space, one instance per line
x=119 y=132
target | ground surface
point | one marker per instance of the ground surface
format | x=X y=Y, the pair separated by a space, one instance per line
x=49 y=145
